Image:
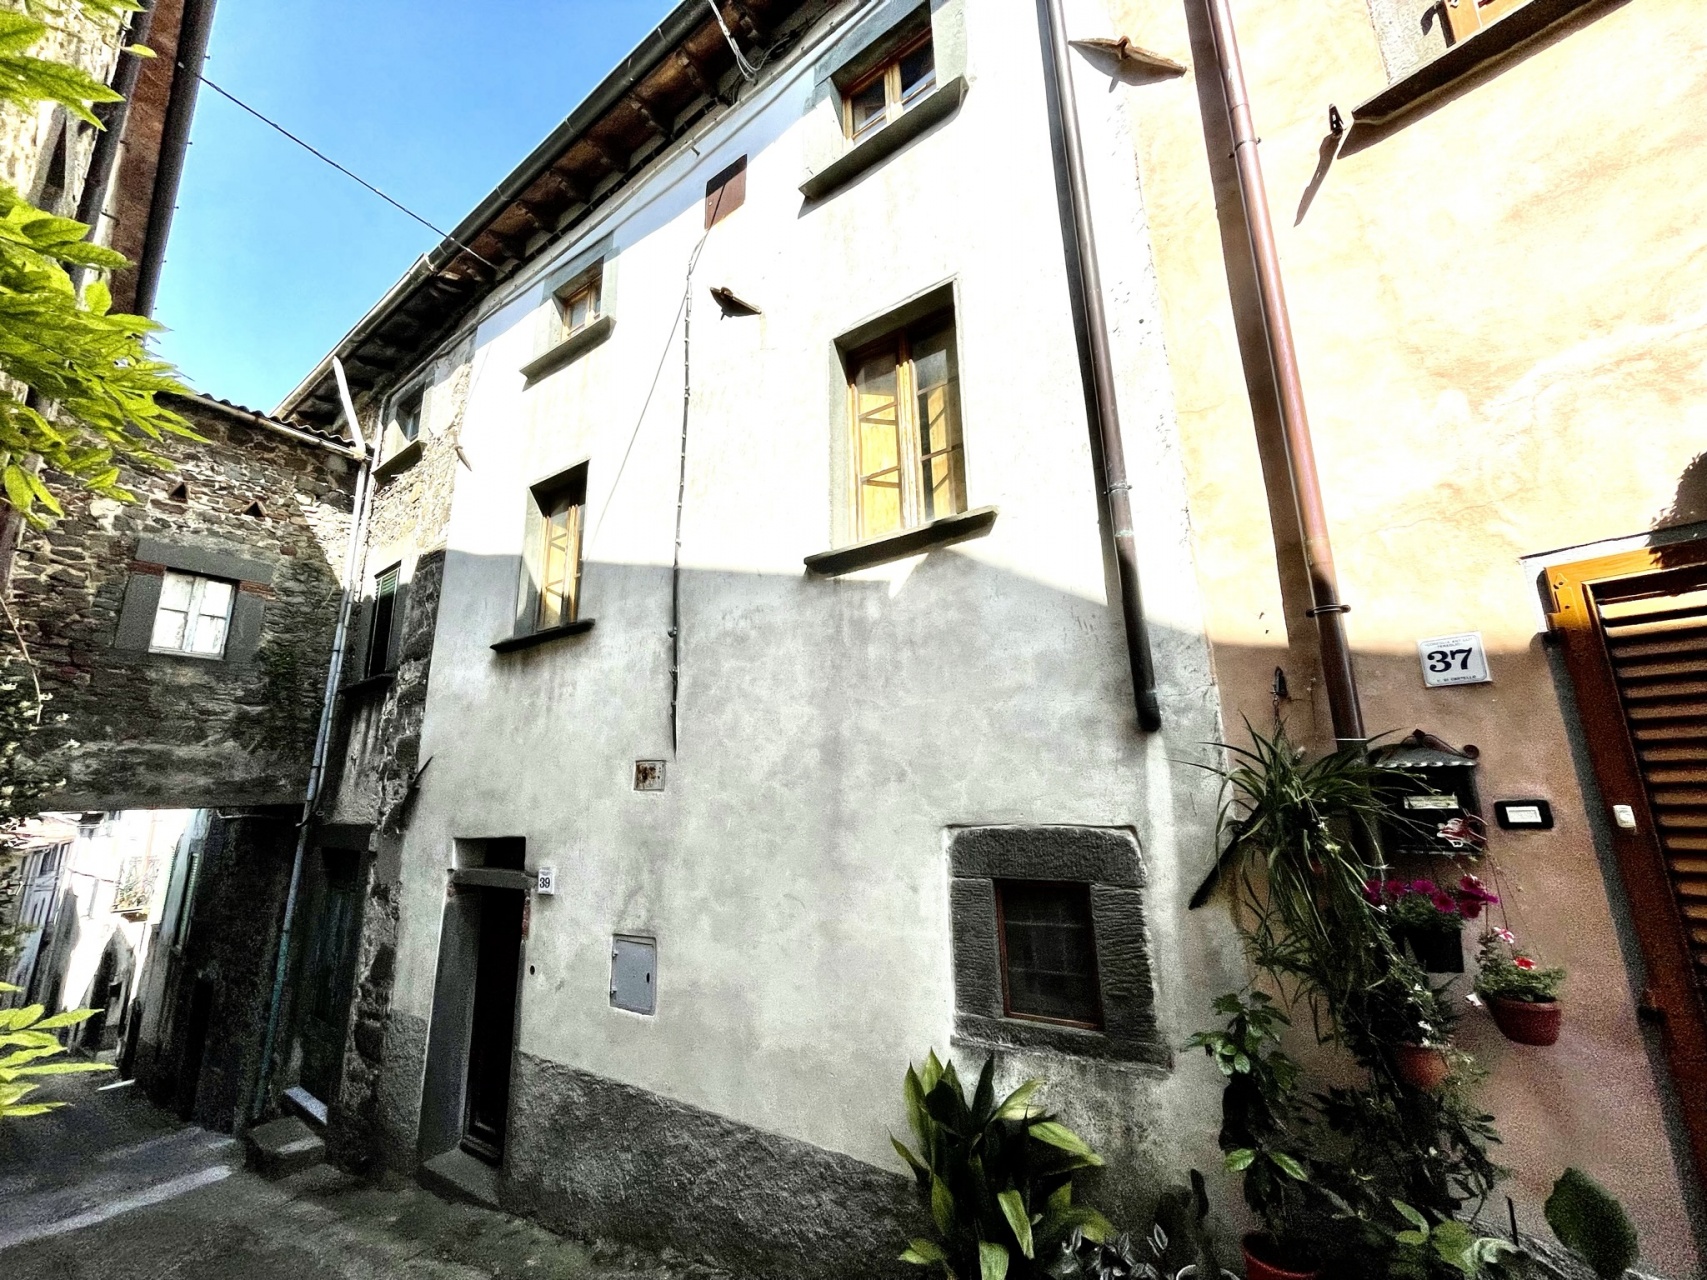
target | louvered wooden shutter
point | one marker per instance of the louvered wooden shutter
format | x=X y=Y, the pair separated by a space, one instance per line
x=1657 y=642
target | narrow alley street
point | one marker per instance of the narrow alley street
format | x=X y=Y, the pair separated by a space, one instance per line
x=112 y=1188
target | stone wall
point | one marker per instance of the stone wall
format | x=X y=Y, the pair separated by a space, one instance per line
x=380 y=735
x=132 y=728
x=28 y=138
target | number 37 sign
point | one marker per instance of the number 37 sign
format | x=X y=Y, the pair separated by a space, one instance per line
x=1449 y=660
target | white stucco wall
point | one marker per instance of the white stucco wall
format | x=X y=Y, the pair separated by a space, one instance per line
x=793 y=871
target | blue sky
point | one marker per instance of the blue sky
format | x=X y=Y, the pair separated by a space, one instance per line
x=273 y=254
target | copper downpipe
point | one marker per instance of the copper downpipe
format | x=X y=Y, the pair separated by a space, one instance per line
x=1326 y=606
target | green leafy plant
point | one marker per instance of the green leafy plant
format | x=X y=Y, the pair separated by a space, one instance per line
x=25 y=1040
x=1303 y=846
x=1591 y=1223
x=1264 y=1124
x=62 y=345
x=997 y=1176
x=1422 y=1244
x=1503 y=970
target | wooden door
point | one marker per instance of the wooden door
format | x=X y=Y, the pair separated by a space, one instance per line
x=1634 y=628
x=328 y=973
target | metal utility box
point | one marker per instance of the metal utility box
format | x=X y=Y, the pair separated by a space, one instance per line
x=1430 y=797
x=634 y=974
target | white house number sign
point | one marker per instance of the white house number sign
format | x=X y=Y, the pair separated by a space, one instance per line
x=1450 y=660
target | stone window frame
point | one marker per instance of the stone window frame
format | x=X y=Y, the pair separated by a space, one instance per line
x=1109 y=862
x=148 y=568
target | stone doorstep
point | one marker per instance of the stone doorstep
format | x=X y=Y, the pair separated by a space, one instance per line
x=283 y=1147
x=456 y=1175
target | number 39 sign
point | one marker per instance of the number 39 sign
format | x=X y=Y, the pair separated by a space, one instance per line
x=1449 y=660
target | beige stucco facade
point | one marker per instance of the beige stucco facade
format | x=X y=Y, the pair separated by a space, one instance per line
x=1500 y=300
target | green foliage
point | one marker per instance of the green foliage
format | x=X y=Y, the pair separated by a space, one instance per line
x=63 y=344
x=1502 y=970
x=1304 y=847
x=25 y=779
x=1422 y=1245
x=25 y=1040
x=998 y=1176
x=1591 y=1223
x=1264 y=1126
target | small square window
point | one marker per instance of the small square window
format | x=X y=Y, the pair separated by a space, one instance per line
x=1049 y=964
x=406 y=414
x=909 y=465
x=888 y=91
x=193 y=616
x=578 y=303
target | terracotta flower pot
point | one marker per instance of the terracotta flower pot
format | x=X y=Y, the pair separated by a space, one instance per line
x=1527 y=1021
x=1421 y=1066
x=1257 y=1267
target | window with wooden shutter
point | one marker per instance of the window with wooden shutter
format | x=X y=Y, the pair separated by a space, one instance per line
x=1633 y=628
x=379 y=658
x=904 y=408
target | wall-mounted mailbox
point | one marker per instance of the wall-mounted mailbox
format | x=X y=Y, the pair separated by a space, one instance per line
x=634 y=974
x=1523 y=815
x=1430 y=799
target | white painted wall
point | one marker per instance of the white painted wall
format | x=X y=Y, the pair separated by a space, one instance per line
x=793 y=871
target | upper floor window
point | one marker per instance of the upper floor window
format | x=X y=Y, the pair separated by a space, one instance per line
x=384 y=616
x=578 y=303
x=887 y=91
x=406 y=417
x=904 y=406
x=193 y=616
x=560 y=552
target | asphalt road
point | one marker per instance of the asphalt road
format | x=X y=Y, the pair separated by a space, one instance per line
x=111 y=1188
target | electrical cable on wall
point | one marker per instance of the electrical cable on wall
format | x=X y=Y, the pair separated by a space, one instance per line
x=749 y=71
x=355 y=177
x=681 y=501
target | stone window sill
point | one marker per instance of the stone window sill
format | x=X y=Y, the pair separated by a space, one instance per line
x=895 y=546
x=549 y=634
x=368 y=685
x=400 y=461
x=938 y=106
x=571 y=348
x=1466 y=56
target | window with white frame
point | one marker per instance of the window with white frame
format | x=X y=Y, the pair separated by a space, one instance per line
x=194 y=615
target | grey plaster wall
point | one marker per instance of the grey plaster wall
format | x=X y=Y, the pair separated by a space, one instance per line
x=832 y=733
x=594 y=1157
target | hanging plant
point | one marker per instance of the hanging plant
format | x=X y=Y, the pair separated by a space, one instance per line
x=1522 y=996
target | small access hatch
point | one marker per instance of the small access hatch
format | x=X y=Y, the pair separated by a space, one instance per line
x=634 y=974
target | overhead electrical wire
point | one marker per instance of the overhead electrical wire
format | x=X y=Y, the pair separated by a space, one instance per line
x=354 y=177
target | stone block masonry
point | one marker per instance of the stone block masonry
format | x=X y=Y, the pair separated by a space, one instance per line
x=133 y=728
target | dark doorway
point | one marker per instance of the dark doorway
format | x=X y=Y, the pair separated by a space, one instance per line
x=493 y=1025
x=328 y=973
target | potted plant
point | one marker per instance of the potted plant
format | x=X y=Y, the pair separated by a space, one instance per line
x=1429 y=918
x=1413 y=1021
x=1522 y=996
x=1264 y=1133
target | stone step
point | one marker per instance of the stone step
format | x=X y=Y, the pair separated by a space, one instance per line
x=283 y=1147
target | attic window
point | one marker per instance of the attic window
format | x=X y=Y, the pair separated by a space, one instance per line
x=255 y=509
x=180 y=492
x=886 y=93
